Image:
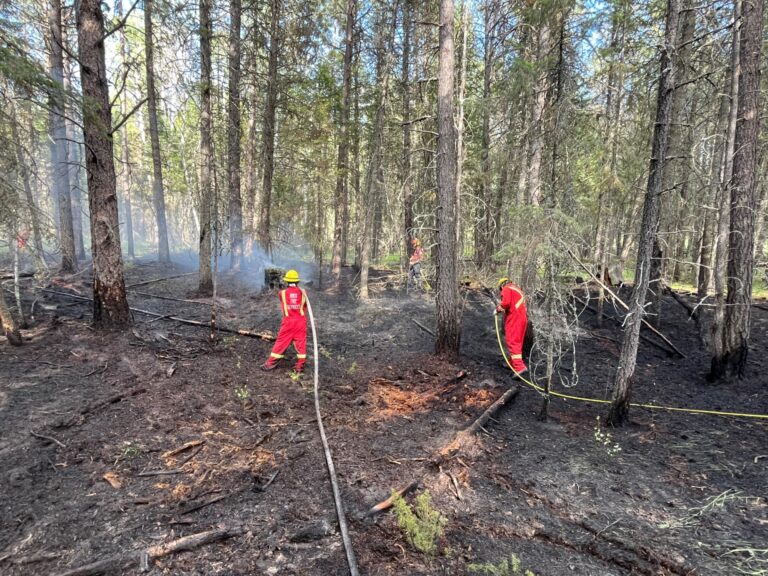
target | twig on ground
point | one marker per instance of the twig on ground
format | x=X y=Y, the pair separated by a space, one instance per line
x=187 y=446
x=161 y=472
x=49 y=438
x=96 y=371
x=386 y=504
x=188 y=458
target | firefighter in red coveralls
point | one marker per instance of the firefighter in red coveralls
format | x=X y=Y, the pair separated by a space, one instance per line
x=515 y=323
x=293 y=329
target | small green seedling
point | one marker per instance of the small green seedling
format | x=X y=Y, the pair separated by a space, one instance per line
x=242 y=394
x=422 y=524
x=507 y=567
x=606 y=440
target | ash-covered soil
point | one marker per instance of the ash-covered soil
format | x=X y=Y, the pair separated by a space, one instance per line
x=119 y=442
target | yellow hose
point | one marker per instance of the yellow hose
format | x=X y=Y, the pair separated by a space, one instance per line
x=600 y=401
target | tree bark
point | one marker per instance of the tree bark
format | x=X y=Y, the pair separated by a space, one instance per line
x=341 y=196
x=207 y=159
x=540 y=91
x=59 y=149
x=622 y=387
x=110 y=305
x=448 y=302
x=733 y=361
x=158 y=191
x=234 y=134
x=268 y=132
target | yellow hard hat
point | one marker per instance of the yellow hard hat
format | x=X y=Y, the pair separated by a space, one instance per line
x=502 y=281
x=291 y=277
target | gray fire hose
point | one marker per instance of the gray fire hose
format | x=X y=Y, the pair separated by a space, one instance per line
x=351 y=561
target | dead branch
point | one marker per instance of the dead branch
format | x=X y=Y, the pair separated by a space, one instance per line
x=427 y=330
x=187 y=446
x=198 y=505
x=140 y=557
x=617 y=321
x=624 y=305
x=161 y=472
x=184 y=300
x=188 y=458
x=260 y=335
x=159 y=280
x=387 y=504
x=49 y=438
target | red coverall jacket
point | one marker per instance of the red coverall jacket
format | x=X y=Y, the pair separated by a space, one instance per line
x=515 y=323
x=293 y=329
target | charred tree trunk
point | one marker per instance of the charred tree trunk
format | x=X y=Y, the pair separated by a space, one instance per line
x=110 y=305
x=8 y=323
x=268 y=132
x=234 y=133
x=341 y=196
x=206 y=150
x=158 y=191
x=733 y=360
x=622 y=388
x=448 y=302
x=59 y=148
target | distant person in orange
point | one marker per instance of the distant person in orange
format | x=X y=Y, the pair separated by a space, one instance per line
x=293 y=329
x=414 y=268
x=515 y=323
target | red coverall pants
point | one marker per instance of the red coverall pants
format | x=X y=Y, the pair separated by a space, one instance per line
x=293 y=329
x=515 y=323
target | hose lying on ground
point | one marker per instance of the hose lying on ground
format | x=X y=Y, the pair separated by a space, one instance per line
x=351 y=561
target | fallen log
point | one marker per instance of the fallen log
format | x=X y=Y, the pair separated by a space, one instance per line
x=159 y=280
x=142 y=557
x=420 y=325
x=260 y=335
x=157 y=296
x=625 y=306
x=617 y=321
x=453 y=447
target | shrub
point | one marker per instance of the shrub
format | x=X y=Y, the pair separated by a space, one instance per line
x=422 y=524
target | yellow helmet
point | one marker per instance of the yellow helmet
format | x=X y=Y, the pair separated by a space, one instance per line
x=502 y=281
x=291 y=277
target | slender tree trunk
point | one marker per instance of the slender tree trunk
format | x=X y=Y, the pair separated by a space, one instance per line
x=75 y=158
x=622 y=387
x=268 y=132
x=206 y=149
x=158 y=191
x=126 y=174
x=341 y=197
x=234 y=133
x=110 y=305
x=724 y=215
x=60 y=156
x=448 y=302
x=374 y=182
x=462 y=88
x=541 y=88
x=34 y=219
x=733 y=361
x=405 y=162
x=483 y=216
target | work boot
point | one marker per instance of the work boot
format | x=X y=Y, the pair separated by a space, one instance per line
x=524 y=375
x=266 y=367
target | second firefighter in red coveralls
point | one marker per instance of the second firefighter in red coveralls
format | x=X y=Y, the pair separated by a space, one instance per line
x=293 y=329
x=515 y=323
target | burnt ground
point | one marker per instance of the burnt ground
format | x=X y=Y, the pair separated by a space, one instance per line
x=670 y=493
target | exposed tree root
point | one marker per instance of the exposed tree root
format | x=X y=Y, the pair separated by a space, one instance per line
x=142 y=557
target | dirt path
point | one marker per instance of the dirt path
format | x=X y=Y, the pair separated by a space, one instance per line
x=669 y=494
